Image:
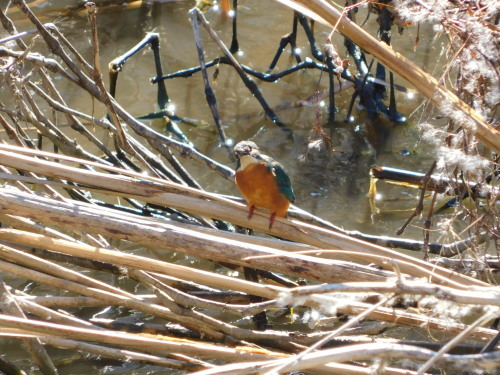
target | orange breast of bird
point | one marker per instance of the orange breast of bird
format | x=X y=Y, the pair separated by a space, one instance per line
x=258 y=186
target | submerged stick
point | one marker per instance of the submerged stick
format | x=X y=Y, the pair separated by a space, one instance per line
x=323 y=11
x=249 y=83
x=209 y=93
x=436 y=183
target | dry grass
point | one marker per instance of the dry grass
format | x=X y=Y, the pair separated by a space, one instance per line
x=53 y=232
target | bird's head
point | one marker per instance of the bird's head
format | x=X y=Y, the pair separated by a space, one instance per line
x=245 y=148
x=246 y=152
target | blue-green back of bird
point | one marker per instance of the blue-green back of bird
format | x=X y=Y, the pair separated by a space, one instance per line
x=282 y=178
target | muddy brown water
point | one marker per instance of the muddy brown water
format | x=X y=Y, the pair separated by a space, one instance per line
x=332 y=185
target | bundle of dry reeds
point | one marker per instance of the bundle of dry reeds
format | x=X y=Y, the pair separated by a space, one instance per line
x=336 y=304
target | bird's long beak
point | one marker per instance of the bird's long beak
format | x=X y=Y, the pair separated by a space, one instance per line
x=255 y=154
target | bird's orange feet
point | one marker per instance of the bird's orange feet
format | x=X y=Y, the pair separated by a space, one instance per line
x=271 y=220
x=250 y=212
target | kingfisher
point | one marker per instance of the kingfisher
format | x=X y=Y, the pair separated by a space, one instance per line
x=262 y=181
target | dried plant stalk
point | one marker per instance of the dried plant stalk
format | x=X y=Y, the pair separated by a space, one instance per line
x=46 y=227
x=202 y=203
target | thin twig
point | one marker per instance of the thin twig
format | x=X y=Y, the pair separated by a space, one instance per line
x=479 y=322
x=420 y=204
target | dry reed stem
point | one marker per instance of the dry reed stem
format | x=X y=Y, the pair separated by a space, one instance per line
x=221 y=281
x=76 y=302
x=202 y=203
x=474 y=296
x=191 y=320
x=112 y=353
x=287 y=365
x=42 y=265
x=160 y=345
x=126 y=355
x=143 y=263
x=364 y=352
x=16 y=209
x=482 y=320
x=32 y=344
x=141 y=343
x=153 y=282
x=157 y=141
x=52 y=315
x=110 y=298
x=181 y=237
x=330 y=369
x=28 y=225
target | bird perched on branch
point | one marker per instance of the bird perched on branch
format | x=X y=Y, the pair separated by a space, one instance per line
x=262 y=181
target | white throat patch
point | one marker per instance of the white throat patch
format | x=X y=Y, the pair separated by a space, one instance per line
x=245 y=161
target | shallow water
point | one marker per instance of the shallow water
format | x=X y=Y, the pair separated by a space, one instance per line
x=331 y=185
